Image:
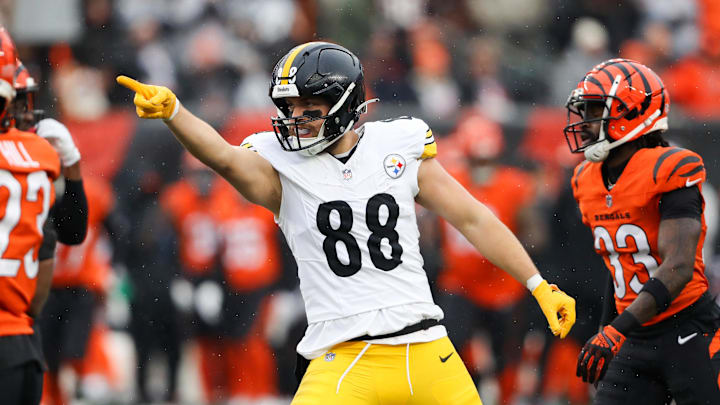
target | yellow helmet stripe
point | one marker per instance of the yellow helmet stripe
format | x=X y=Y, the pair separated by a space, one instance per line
x=290 y=59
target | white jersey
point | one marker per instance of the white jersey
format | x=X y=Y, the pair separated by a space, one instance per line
x=353 y=232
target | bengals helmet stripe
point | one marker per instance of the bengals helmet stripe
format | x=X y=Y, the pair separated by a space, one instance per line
x=648 y=90
x=662 y=101
x=660 y=161
x=625 y=72
x=289 y=61
x=597 y=83
x=607 y=73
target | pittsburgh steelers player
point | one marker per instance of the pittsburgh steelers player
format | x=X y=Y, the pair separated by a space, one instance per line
x=345 y=199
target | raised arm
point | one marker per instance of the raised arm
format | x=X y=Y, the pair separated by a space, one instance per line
x=247 y=171
x=442 y=194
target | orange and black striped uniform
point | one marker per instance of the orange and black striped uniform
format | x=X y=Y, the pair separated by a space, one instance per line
x=675 y=355
x=625 y=220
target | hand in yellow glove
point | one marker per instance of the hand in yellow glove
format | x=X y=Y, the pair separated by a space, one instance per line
x=151 y=101
x=554 y=302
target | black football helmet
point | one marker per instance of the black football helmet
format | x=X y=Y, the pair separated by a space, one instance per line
x=317 y=69
x=23 y=107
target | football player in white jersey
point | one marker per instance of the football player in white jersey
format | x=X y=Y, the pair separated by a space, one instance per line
x=345 y=199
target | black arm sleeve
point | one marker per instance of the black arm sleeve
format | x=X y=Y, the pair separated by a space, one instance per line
x=70 y=214
x=47 y=248
x=609 y=311
x=681 y=203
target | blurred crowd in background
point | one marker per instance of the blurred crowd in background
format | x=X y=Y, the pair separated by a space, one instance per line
x=195 y=289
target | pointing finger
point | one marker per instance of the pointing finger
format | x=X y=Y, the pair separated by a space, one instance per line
x=134 y=85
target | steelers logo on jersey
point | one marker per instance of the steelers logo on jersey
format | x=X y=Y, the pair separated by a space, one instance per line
x=394 y=165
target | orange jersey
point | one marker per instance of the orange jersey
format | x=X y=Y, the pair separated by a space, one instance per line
x=625 y=221
x=28 y=166
x=250 y=255
x=466 y=270
x=86 y=264
x=223 y=230
x=193 y=222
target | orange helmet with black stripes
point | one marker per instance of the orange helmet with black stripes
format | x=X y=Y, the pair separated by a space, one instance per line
x=634 y=102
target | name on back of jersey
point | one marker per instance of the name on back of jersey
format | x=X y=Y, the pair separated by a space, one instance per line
x=16 y=154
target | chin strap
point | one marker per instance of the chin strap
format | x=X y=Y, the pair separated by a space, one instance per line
x=361 y=109
x=600 y=151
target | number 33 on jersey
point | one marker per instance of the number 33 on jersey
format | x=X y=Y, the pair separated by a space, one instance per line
x=625 y=220
x=351 y=226
x=28 y=166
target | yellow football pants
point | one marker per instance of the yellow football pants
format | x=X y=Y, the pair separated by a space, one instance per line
x=355 y=373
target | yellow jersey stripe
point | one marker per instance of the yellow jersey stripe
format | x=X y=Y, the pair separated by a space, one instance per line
x=428 y=134
x=290 y=60
x=430 y=151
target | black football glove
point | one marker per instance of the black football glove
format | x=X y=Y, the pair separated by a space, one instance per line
x=601 y=348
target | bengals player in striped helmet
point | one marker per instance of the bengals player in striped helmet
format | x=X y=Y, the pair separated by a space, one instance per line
x=28 y=167
x=642 y=200
x=66 y=222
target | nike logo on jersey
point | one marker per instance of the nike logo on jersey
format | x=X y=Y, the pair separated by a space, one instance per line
x=444 y=359
x=689 y=183
x=683 y=340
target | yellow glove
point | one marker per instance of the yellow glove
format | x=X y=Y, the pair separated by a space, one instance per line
x=151 y=101
x=554 y=302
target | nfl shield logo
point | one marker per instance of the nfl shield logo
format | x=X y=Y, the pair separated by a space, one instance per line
x=330 y=356
x=608 y=200
x=347 y=174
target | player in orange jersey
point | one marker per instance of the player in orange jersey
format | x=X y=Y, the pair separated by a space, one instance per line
x=66 y=220
x=28 y=166
x=229 y=251
x=478 y=295
x=641 y=199
x=79 y=282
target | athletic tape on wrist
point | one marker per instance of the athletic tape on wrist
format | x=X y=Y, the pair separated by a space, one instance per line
x=533 y=282
x=175 y=111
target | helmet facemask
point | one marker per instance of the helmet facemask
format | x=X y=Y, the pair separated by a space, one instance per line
x=578 y=118
x=338 y=121
x=23 y=110
x=326 y=71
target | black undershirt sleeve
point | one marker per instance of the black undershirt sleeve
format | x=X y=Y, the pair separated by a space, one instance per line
x=681 y=203
x=609 y=311
x=70 y=214
x=47 y=248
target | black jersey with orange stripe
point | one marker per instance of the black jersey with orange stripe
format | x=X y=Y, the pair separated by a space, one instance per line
x=625 y=219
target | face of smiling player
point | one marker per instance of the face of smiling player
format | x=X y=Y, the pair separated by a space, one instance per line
x=311 y=107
